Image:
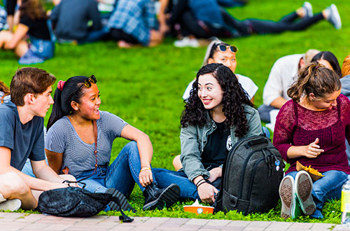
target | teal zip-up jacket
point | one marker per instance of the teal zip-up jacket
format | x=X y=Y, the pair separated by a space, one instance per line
x=194 y=138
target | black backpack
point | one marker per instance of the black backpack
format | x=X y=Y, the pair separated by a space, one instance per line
x=76 y=202
x=252 y=172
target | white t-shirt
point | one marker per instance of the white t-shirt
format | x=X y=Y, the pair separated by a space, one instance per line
x=247 y=84
x=283 y=73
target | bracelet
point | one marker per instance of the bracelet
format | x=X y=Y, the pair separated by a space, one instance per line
x=201 y=181
x=145 y=168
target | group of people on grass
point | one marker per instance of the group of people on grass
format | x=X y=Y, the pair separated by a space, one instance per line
x=135 y=22
x=312 y=127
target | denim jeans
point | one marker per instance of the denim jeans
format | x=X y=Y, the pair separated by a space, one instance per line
x=121 y=174
x=264 y=112
x=42 y=48
x=94 y=35
x=326 y=188
x=166 y=177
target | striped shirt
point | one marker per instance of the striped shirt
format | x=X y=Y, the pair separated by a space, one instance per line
x=79 y=156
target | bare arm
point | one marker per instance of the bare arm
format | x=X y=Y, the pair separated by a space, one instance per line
x=19 y=35
x=145 y=148
x=278 y=102
x=310 y=151
x=33 y=183
x=55 y=160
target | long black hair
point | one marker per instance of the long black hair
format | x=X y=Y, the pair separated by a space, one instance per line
x=234 y=98
x=330 y=57
x=72 y=90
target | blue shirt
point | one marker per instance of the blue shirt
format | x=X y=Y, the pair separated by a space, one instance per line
x=79 y=156
x=24 y=140
x=207 y=11
x=136 y=18
x=72 y=18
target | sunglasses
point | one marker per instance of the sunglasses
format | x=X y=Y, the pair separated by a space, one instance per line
x=224 y=48
x=87 y=83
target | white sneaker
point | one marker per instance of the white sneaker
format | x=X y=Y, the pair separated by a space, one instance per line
x=334 y=17
x=11 y=205
x=186 y=42
x=308 y=9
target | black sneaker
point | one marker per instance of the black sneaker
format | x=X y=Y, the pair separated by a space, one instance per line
x=122 y=199
x=156 y=198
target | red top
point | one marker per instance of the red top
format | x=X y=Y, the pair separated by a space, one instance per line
x=298 y=126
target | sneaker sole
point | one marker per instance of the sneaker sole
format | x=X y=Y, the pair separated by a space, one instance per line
x=11 y=205
x=168 y=197
x=336 y=16
x=125 y=206
x=286 y=192
x=303 y=191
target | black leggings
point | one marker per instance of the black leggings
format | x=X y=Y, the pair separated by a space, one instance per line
x=118 y=34
x=287 y=23
x=191 y=26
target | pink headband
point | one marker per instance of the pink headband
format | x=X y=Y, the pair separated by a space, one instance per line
x=60 y=85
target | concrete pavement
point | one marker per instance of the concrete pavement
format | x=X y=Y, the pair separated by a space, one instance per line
x=24 y=221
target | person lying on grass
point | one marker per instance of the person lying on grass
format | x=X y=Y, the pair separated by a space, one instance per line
x=311 y=128
x=217 y=114
x=79 y=141
x=22 y=137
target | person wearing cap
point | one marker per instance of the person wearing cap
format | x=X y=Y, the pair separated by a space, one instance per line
x=283 y=73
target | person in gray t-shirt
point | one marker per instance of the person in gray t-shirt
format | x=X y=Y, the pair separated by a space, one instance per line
x=80 y=138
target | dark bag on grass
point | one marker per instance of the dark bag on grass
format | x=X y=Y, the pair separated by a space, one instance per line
x=76 y=202
x=252 y=173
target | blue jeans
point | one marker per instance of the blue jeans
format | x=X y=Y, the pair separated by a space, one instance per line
x=121 y=174
x=94 y=35
x=326 y=188
x=166 y=177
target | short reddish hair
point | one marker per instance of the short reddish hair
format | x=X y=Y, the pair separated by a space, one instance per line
x=345 y=69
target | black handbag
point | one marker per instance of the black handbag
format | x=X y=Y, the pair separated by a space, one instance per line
x=76 y=202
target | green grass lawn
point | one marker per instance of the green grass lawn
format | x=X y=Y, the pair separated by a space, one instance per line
x=144 y=86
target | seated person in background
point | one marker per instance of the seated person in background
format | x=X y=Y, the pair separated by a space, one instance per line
x=220 y=52
x=345 y=90
x=217 y=114
x=71 y=21
x=283 y=73
x=22 y=137
x=134 y=22
x=311 y=128
x=79 y=141
x=33 y=21
x=328 y=59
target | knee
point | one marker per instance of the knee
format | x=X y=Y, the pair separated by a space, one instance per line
x=132 y=147
x=12 y=185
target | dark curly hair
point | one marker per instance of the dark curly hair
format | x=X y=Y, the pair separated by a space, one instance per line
x=233 y=100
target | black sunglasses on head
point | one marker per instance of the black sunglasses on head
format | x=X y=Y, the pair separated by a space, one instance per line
x=225 y=47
